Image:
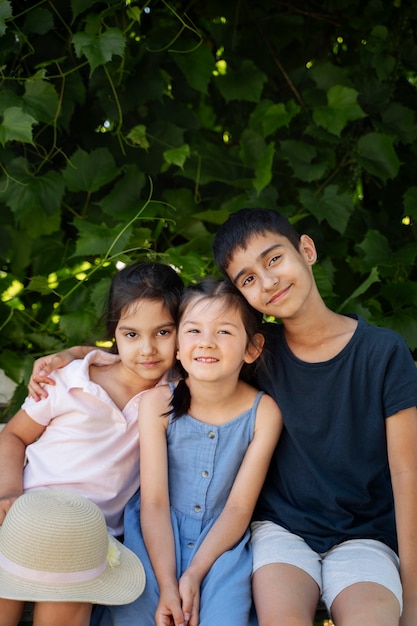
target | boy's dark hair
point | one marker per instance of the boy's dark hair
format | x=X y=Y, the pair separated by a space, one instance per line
x=242 y=225
x=211 y=289
x=142 y=281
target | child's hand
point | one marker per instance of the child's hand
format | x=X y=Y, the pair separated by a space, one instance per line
x=5 y=504
x=44 y=366
x=168 y=611
x=189 y=586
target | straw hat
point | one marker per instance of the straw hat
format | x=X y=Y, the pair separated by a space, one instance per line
x=54 y=547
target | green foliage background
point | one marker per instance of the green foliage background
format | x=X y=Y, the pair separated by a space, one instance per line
x=131 y=130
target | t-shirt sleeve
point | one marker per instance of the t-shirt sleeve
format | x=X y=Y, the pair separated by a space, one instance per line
x=400 y=388
x=45 y=410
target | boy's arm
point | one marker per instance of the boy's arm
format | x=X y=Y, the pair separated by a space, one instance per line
x=47 y=364
x=18 y=433
x=402 y=454
x=155 y=516
x=237 y=513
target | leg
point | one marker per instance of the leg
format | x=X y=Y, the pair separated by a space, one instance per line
x=287 y=577
x=361 y=583
x=284 y=595
x=366 y=603
x=10 y=612
x=62 y=613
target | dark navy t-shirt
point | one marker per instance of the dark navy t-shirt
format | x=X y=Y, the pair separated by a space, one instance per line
x=329 y=478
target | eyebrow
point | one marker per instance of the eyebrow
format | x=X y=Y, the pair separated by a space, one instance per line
x=259 y=258
x=193 y=323
x=161 y=326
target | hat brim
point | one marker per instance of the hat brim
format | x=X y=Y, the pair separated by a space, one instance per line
x=119 y=584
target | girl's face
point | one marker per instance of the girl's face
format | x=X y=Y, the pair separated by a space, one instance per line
x=146 y=339
x=212 y=340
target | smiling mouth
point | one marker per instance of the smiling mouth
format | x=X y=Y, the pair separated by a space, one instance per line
x=206 y=359
x=149 y=363
x=276 y=297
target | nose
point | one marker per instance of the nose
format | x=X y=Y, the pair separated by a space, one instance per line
x=147 y=346
x=269 y=281
x=206 y=340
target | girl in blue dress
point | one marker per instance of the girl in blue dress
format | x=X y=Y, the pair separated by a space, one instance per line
x=205 y=450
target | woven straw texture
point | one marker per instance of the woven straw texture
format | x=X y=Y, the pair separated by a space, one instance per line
x=55 y=531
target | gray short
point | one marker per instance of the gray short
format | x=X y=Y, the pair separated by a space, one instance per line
x=353 y=561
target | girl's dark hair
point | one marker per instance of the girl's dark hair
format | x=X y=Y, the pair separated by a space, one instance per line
x=210 y=289
x=241 y=226
x=142 y=281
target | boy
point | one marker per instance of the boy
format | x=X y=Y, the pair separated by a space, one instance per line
x=326 y=523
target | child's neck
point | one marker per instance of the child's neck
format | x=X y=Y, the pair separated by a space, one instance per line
x=219 y=403
x=118 y=384
x=319 y=338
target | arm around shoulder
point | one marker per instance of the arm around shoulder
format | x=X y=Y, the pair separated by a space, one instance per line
x=43 y=366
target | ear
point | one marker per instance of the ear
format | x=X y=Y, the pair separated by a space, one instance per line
x=308 y=249
x=254 y=348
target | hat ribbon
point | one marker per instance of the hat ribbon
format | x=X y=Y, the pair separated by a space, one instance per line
x=52 y=577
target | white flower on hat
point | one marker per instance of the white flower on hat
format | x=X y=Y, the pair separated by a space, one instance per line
x=113 y=553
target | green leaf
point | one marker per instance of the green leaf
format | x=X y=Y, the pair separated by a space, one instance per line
x=99 y=239
x=78 y=326
x=410 y=202
x=268 y=117
x=197 y=67
x=326 y=74
x=40 y=284
x=90 y=171
x=400 y=294
x=399 y=120
x=39 y=21
x=252 y=147
x=125 y=194
x=138 y=136
x=99 y=49
x=41 y=99
x=263 y=168
x=300 y=156
x=16 y=126
x=99 y=295
x=79 y=6
x=216 y=217
x=404 y=323
x=5 y=13
x=244 y=83
x=35 y=200
x=332 y=205
x=11 y=363
x=177 y=156
x=341 y=108
x=9 y=98
x=363 y=287
x=375 y=248
x=376 y=153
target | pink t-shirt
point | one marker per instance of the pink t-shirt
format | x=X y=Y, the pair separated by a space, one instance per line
x=89 y=445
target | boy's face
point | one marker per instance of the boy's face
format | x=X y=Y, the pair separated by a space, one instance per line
x=274 y=277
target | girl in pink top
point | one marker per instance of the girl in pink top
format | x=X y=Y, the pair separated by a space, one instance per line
x=83 y=434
